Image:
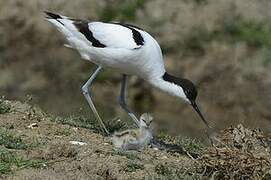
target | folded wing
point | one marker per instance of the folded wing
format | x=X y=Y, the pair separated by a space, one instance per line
x=99 y=34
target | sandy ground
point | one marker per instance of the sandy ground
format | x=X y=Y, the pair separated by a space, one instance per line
x=95 y=160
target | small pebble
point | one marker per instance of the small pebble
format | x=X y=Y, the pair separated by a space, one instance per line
x=101 y=155
x=77 y=143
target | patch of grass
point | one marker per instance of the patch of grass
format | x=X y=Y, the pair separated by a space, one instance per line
x=194 y=43
x=165 y=171
x=79 y=121
x=132 y=167
x=198 y=39
x=198 y=2
x=103 y=76
x=4 y=107
x=201 y=1
x=10 y=140
x=162 y=169
x=63 y=132
x=192 y=146
x=76 y=121
x=121 y=9
x=267 y=57
x=256 y=34
x=10 y=162
x=129 y=10
x=129 y=155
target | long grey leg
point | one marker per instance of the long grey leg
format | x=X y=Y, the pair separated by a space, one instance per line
x=85 y=91
x=122 y=101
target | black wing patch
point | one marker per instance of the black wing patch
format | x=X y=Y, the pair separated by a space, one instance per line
x=139 y=40
x=131 y=25
x=136 y=35
x=84 y=29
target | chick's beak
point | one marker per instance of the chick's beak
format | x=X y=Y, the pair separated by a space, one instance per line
x=196 y=108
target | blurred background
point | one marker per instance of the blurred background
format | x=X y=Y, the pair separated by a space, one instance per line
x=223 y=46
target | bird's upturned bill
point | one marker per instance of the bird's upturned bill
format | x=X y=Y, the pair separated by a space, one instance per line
x=196 y=108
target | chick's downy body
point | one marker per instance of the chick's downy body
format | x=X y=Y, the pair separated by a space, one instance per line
x=134 y=139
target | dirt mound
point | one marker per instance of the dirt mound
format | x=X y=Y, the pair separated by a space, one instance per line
x=35 y=145
x=240 y=153
x=50 y=145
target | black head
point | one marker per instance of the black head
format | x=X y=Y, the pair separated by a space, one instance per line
x=190 y=92
x=188 y=87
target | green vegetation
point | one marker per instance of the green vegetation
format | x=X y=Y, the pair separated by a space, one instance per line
x=10 y=140
x=256 y=34
x=132 y=167
x=162 y=169
x=103 y=76
x=201 y=1
x=76 y=121
x=198 y=2
x=9 y=162
x=167 y=172
x=191 y=146
x=267 y=57
x=122 y=10
x=63 y=132
x=79 y=121
x=129 y=155
x=196 y=41
x=4 y=107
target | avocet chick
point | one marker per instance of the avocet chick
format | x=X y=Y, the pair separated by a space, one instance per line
x=135 y=139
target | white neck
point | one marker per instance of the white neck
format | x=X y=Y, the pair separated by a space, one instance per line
x=169 y=88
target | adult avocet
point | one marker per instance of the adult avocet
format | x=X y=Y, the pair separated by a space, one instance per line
x=127 y=49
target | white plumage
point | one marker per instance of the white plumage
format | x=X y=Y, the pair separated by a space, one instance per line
x=113 y=35
x=120 y=52
x=127 y=49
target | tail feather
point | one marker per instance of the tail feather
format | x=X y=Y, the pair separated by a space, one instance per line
x=66 y=26
x=67 y=22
